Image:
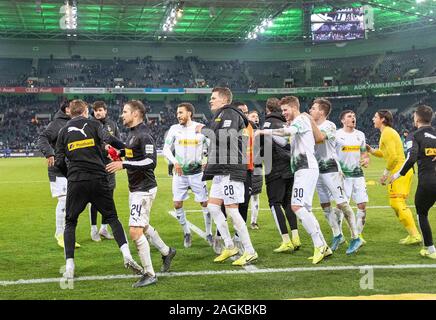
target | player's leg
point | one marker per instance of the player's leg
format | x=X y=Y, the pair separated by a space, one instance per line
x=290 y=215
x=76 y=201
x=424 y=200
x=58 y=188
x=102 y=198
x=360 y=197
x=243 y=209
x=254 y=211
x=199 y=188
x=398 y=192
x=151 y=233
x=214 y=205
x=276 y=192
x=93 y=219
x=234 y=194
x=325 y=194
x=180 y=187
x=104 y=231
x=335 y=185
x=302 y=197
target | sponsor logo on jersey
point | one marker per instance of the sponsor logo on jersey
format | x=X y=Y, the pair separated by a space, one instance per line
x=82 y=131
x=129 y=153
x=350 y=149
x=430 y=151
x=188 y=142
x=227 y=123
x=81 y=144
x=428 y=135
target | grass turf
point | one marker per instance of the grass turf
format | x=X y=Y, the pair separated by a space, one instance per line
x=28 y=249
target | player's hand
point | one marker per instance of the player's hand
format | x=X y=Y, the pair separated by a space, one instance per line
x=198 y=128
x=364 y=162
x=114 y=166
x=394 y=177
x=113 y=154
x=434 y=159
x=369 y=149
x=50 y=161
x=178 y=169
x=383 y=180
x=258 y=133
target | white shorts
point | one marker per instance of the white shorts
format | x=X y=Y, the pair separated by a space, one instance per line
x=58 y=188
x=231 y=192
x=304 y=187
x=140 y=207
x=181 y=184
x=355 y=188
x=331 y=186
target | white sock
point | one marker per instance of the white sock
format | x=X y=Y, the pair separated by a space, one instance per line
x=60 y=215
x=351 y=219
x=339 y=216
x=103 y=227
x=144 y=254
x=431 y=249
x=126 y=252
x=360 y=220
x=274 y=212
x=156 y=241
x=285 y=237
x=221 y=224
x=207 y=220
x=181 y=216
x=332 y=221
x=241 y=228
x=94 y=229
x=254 y=208
x=294 y=233
x=321 y=235
x=310 y=224
x=69 y=264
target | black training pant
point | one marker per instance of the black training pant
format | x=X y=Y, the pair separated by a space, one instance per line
x=425 y=198
x=98 y=193
x=279 y=193
x=93 y=210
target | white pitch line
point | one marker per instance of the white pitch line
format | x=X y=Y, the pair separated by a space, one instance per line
x=226 y=272
x=202 y=234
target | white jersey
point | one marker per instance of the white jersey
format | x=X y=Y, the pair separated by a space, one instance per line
x=348 y=148
x=188 y=147
x=302 y=145
x=325 y=152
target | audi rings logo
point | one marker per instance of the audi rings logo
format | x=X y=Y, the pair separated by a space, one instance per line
x=32 y=90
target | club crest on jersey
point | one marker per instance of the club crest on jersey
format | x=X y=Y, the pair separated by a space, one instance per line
x=82 y=131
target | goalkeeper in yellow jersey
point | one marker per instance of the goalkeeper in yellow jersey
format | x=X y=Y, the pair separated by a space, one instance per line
x=391 y=149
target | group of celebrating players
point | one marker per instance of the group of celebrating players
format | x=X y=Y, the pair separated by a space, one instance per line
x=295 y=153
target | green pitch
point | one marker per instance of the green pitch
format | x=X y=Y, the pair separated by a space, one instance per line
x=29 y=251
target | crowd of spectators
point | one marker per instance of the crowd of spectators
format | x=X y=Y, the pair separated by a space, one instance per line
x=22 y=118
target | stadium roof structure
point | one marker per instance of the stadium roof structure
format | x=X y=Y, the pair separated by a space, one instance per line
x=202 y=20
